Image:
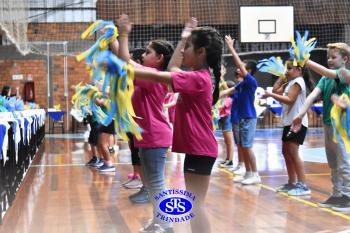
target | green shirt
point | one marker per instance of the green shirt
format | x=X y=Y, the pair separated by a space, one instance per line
x=329 y=87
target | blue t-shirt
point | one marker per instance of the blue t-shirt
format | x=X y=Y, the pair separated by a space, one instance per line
x=246 y=97
x=234 y=108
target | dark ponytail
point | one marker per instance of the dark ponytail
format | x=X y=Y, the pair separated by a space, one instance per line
x=217 y=75
x=210 y=39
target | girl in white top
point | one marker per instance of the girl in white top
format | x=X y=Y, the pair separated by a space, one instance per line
x=291 y=92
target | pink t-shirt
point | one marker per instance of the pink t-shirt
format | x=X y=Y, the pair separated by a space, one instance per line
x=148 y=100
x=193 y=132
x=226 y=110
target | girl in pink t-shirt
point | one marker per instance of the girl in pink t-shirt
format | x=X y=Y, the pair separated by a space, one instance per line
x=200 y=49
x=148 y=100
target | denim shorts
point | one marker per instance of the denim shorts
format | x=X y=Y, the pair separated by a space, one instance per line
x=235 y=130
x=225 y=123
x=247 y=129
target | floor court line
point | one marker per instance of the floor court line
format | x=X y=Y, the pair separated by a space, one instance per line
x=319 y=174
x=309 y=203
x=272 y=176
x=82 y=164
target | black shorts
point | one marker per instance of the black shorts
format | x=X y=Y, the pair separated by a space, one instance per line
x=94 y=132
x=108 y=129
x=135 y=157
x=289 y=136
x=198 y=164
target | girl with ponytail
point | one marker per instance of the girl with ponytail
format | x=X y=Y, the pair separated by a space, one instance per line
x=199 y=50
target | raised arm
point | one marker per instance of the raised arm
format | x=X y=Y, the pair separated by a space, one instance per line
x=321 y=70
x=124 y=27
x=236 y=60
x=177 y=57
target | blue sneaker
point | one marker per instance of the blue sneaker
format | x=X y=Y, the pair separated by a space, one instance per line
x=300 y=189
x=106 y=168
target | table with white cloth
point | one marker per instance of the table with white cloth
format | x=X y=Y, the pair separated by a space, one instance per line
x=21 y=133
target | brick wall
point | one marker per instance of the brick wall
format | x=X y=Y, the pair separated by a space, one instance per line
x=11 y=63
x=56 y=31
x=35 y=68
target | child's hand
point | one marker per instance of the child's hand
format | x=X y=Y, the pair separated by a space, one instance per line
x=189 y=26
x=229 y=41
x=124 y=24
x=99 y=102
x=341 y=103
x=265 y=95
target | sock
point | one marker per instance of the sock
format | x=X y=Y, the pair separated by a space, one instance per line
x=108 y=163
x=248 y=174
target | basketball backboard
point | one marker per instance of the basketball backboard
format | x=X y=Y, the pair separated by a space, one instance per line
x=266 y=23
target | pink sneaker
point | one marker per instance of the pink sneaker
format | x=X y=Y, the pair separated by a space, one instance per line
x=133 y=176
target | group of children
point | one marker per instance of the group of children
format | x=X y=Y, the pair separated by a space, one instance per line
x=200 y=52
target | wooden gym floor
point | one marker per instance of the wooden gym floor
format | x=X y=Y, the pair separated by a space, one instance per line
x=60 y=195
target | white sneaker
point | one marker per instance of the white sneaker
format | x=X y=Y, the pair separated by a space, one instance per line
x=254 y=179
x=240 y=170
x=240 y=178
x=234 y=168
x=133 y=183
x=151 y=227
